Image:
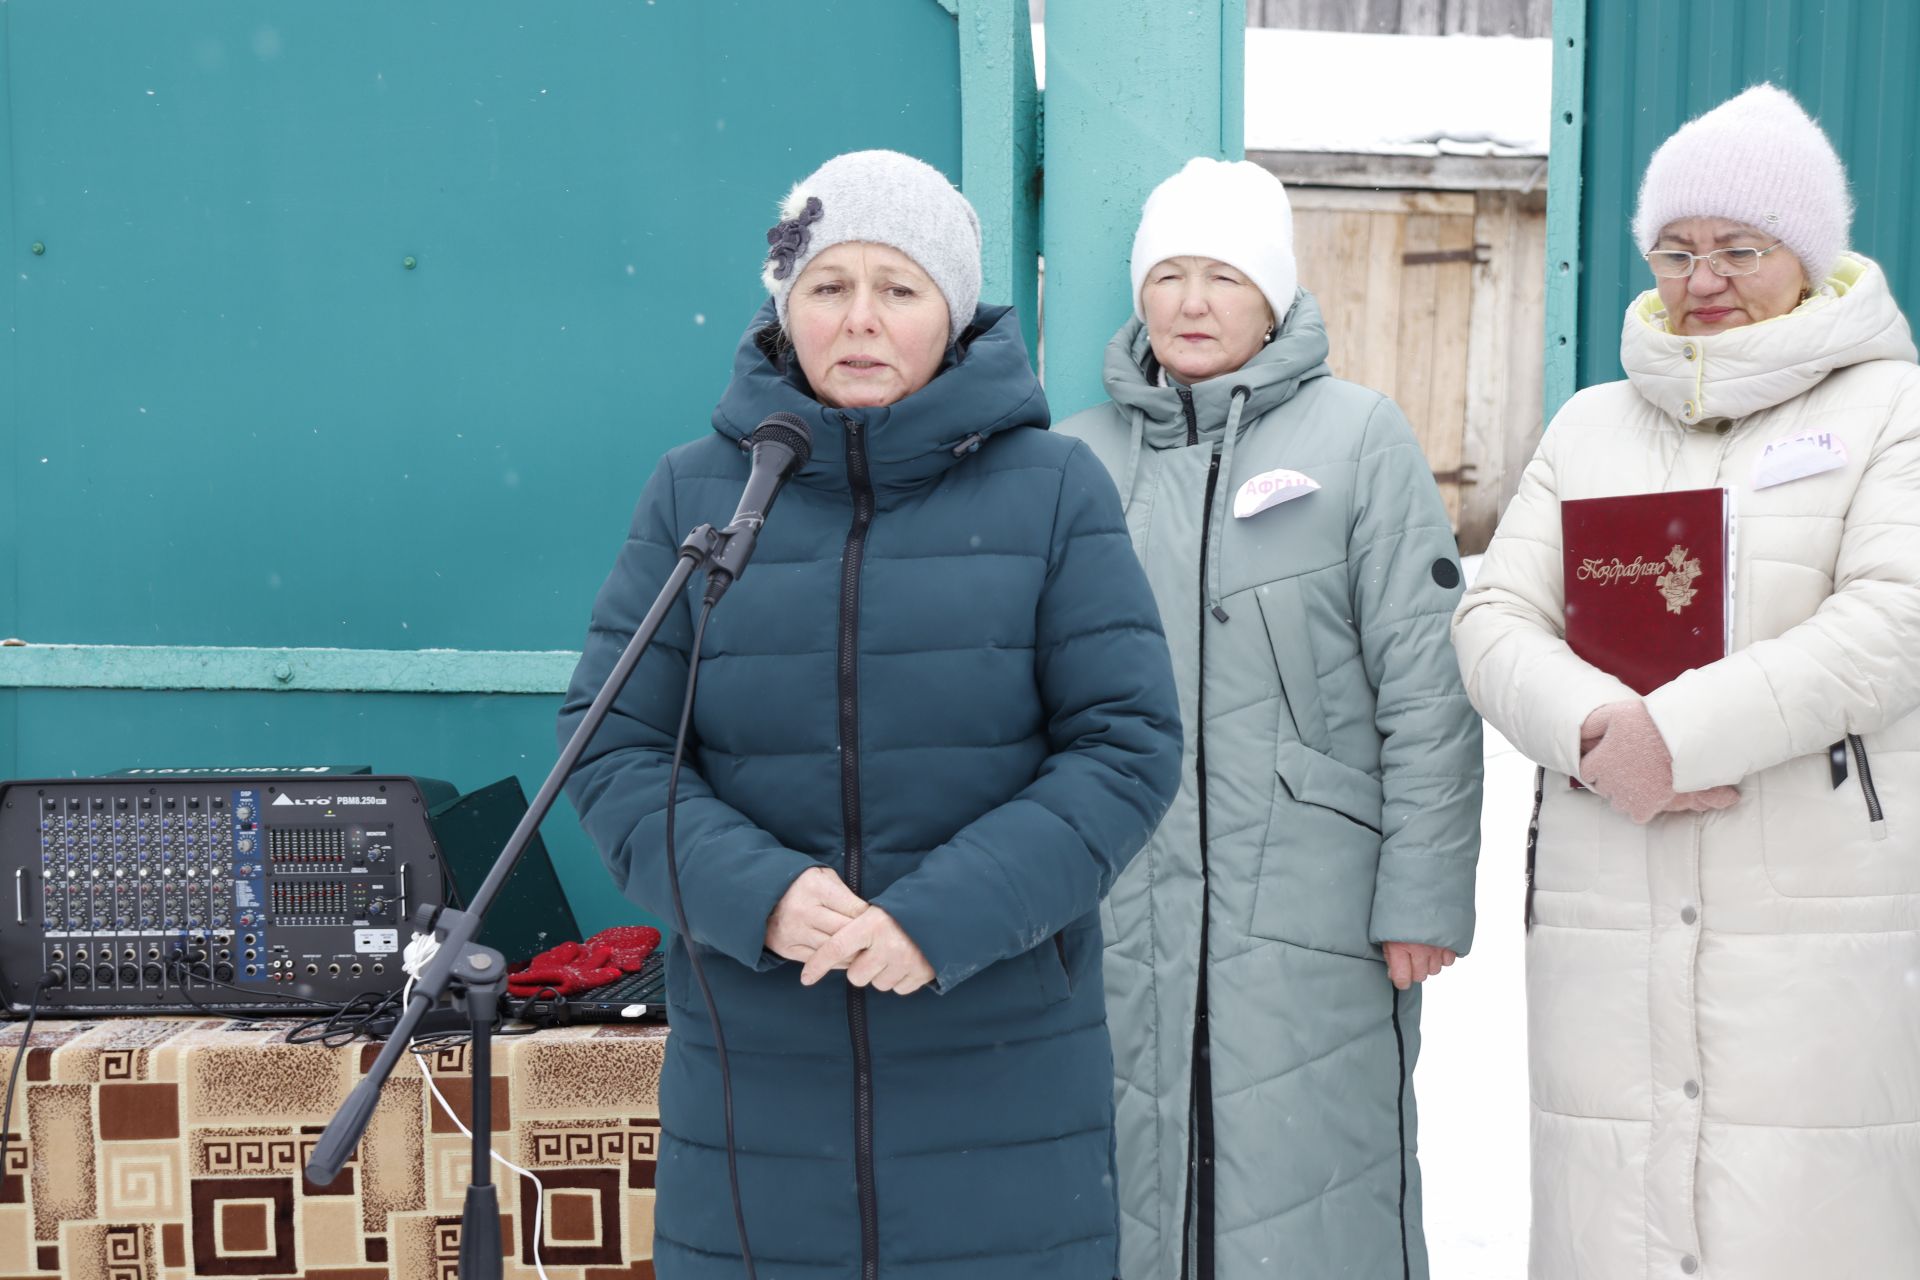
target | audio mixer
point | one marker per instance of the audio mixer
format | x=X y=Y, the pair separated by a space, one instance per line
x=236 y=894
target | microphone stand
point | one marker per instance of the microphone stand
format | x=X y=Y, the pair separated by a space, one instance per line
x=474 y=974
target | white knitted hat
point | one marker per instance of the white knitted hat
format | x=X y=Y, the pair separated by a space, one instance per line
x=1232 y=211
x=879 y=197
x=1759 y=159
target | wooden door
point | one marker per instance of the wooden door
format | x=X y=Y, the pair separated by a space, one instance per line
x=1393 y=272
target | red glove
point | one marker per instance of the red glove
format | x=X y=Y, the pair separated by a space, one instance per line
x=572 y=967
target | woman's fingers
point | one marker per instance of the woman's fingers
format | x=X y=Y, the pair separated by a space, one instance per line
x=875 y=952
x=1399 y=966
x=870 y=965
x=837 y=952
x=1411 y=962
x=825 y=920
x=888 y=978
x=831 y=892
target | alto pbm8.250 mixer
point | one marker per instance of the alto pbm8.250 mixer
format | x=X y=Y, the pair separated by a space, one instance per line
x=237 y=894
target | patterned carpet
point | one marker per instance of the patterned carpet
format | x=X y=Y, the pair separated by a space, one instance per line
x=171 y=1148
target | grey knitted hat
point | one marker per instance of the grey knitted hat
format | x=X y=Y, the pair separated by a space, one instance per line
x=880 y=197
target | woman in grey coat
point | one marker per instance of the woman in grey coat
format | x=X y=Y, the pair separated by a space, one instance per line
x=1264 y=952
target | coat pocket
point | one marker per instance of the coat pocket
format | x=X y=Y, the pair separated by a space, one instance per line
x=1566 y=834
x=1284 y=612
x=1051 y=963
x=1322 y=851
x=677 y=982
x=1819 y=840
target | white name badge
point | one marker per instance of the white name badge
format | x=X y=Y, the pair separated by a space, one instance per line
x=1799 y=456
x=1270 y=489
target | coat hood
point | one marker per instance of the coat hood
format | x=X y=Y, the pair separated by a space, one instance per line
x=1852 y=319
x=1222 y=406
x=986 y=386
x=1297 y=353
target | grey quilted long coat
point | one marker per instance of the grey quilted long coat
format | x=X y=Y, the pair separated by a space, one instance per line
x=1330 y=801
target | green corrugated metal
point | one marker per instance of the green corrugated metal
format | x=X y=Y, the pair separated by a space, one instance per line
x=1135 y=88
x=1653 y=64
x=235 y=416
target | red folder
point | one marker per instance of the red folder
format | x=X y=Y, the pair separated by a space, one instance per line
x=1649 y=582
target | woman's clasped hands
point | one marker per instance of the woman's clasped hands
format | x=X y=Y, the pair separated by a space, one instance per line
x=823 y=925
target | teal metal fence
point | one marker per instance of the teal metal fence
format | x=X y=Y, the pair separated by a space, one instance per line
x=1135 y=88
x=339 y=339
x=1650 y=65
x=359 y=326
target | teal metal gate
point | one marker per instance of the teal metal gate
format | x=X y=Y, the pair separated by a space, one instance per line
x=340 y=339
x=1627 y=73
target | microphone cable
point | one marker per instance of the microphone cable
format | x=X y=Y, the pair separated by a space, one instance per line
x=13 y=1078
x=693 y=954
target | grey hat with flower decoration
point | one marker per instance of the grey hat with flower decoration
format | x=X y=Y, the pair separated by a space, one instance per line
x=879 y=197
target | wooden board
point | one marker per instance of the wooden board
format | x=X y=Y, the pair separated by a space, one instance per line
x=1395 y=325
x=1436 y=299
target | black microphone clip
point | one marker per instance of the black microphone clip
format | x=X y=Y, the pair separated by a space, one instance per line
x=779 y=446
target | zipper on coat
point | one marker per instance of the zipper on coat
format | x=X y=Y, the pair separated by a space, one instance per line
x=1200 y=1205
x=1533 y=837
x=850 y=820
x=1876 y=818
x=1193 y=438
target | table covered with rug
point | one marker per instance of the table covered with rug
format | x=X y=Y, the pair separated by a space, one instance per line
x=172 y=1148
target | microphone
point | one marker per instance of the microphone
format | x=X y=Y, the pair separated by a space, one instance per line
x=780 y=446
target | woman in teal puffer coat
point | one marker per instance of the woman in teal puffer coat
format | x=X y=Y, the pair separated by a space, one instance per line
x=1263 y=953
x=933 y=723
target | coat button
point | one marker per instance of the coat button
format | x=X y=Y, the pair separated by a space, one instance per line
x=1688 y=351
x=1689 y=1264
x=1693 y=1088
x=1688 y=915
x=1687 y=410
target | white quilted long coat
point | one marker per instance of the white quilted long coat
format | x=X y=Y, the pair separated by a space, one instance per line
x=1724 y=1010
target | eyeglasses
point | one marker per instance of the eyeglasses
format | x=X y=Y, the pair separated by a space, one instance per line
x=1671 y=264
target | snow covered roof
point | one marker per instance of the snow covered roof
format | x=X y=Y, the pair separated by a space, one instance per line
x=1372 y=94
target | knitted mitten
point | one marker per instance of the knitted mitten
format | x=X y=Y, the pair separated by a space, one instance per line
x=1628 y=765
x=573 y=967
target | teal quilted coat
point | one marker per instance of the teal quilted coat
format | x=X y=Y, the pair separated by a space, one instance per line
x=1329 y=801
x=943 y=676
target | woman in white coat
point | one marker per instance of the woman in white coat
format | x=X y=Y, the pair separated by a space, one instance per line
x=1723 y=964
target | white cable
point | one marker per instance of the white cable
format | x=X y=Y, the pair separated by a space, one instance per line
x=421 y=949
x=419 y=952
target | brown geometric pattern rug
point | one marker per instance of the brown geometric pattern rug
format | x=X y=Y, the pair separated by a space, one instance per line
x=172 y=1148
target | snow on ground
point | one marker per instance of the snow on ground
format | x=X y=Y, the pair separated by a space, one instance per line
x=1391 y=94
x=1472 y=1075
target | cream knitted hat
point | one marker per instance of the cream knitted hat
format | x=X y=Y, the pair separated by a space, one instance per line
x=880 y=197
x=1232 y=211
x=1759 y=159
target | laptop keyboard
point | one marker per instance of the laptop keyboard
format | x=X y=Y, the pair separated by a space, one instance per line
x=648 y=986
